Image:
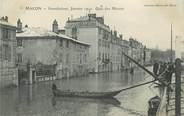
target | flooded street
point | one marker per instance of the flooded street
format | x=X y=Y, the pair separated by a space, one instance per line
x=37 y=99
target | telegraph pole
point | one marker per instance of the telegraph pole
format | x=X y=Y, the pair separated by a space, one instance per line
x=171 y=46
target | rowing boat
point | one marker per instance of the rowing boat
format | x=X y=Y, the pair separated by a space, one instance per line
x=56 y=100
x=86 y=94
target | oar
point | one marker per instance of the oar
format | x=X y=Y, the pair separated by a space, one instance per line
x=149 y=72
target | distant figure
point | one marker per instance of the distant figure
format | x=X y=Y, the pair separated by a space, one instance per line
x=155 y=68
x=54 y=87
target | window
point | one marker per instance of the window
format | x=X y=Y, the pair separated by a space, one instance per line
x=19 y=57
x=67 y=43
x=5 y=34
x=60 y=57
x=6 y=52
x=67 y=58
x=99 y=31
x=61 y=42
x=74 y=32
x=85 y=58
x=99 y=56
x=99 y=42
x=19 y=42
x=103 y=57
x=80 y=58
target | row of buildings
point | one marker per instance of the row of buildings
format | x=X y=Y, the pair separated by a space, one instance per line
x=106 y=46
x=86 y=45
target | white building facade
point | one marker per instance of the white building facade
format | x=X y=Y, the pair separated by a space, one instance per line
x=105 y=45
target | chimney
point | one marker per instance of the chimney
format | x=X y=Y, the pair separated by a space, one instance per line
x=19 y=26
x=26 y=26
x=121 y=36
x=92 y=15
x=2 y=18
x=100 y=19
x=55 y=26
x=115 y=33
x=6 y=18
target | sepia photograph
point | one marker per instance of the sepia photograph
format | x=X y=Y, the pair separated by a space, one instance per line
x=91 y=58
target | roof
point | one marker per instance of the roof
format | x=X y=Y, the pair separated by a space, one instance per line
x=6 y=23
x=35 y=32
x=67 y=37
x=41 y=32
x=82 y=18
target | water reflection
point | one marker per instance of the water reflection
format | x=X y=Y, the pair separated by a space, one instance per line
x=37 y=99
x=58 y=100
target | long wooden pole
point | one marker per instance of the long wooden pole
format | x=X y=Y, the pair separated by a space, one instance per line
x=178 y=87
x=134 y=86
x=149 y=72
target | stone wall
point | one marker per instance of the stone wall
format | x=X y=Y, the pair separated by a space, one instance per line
x=9 y=76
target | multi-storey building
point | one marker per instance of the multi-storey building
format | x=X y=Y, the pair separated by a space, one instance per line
x=105 y=49
x=50 y=53
x=147 y=56
x=91 y=29
x=8 y=70
x=116 y=51
x=136 y=51
x=125 y=49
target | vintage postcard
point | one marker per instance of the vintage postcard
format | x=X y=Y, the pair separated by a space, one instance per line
x=91 y=58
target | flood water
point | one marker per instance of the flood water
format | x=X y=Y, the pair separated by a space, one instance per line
x=37 y=99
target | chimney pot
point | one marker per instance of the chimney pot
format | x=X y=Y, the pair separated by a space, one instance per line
x=19 y=25
x=55 y=26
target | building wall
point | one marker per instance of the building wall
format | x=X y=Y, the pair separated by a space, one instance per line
x=35 y=50
x=104 y=50
x=8 y=70
x=105 y=55
x=136 y=51
x=116 y=52
x=125 y=49
x=73 y=59
x=88 y=34
x=147 y=56
x=69 y=57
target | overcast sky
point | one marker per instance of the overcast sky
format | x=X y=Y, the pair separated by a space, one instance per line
x=140 y=19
